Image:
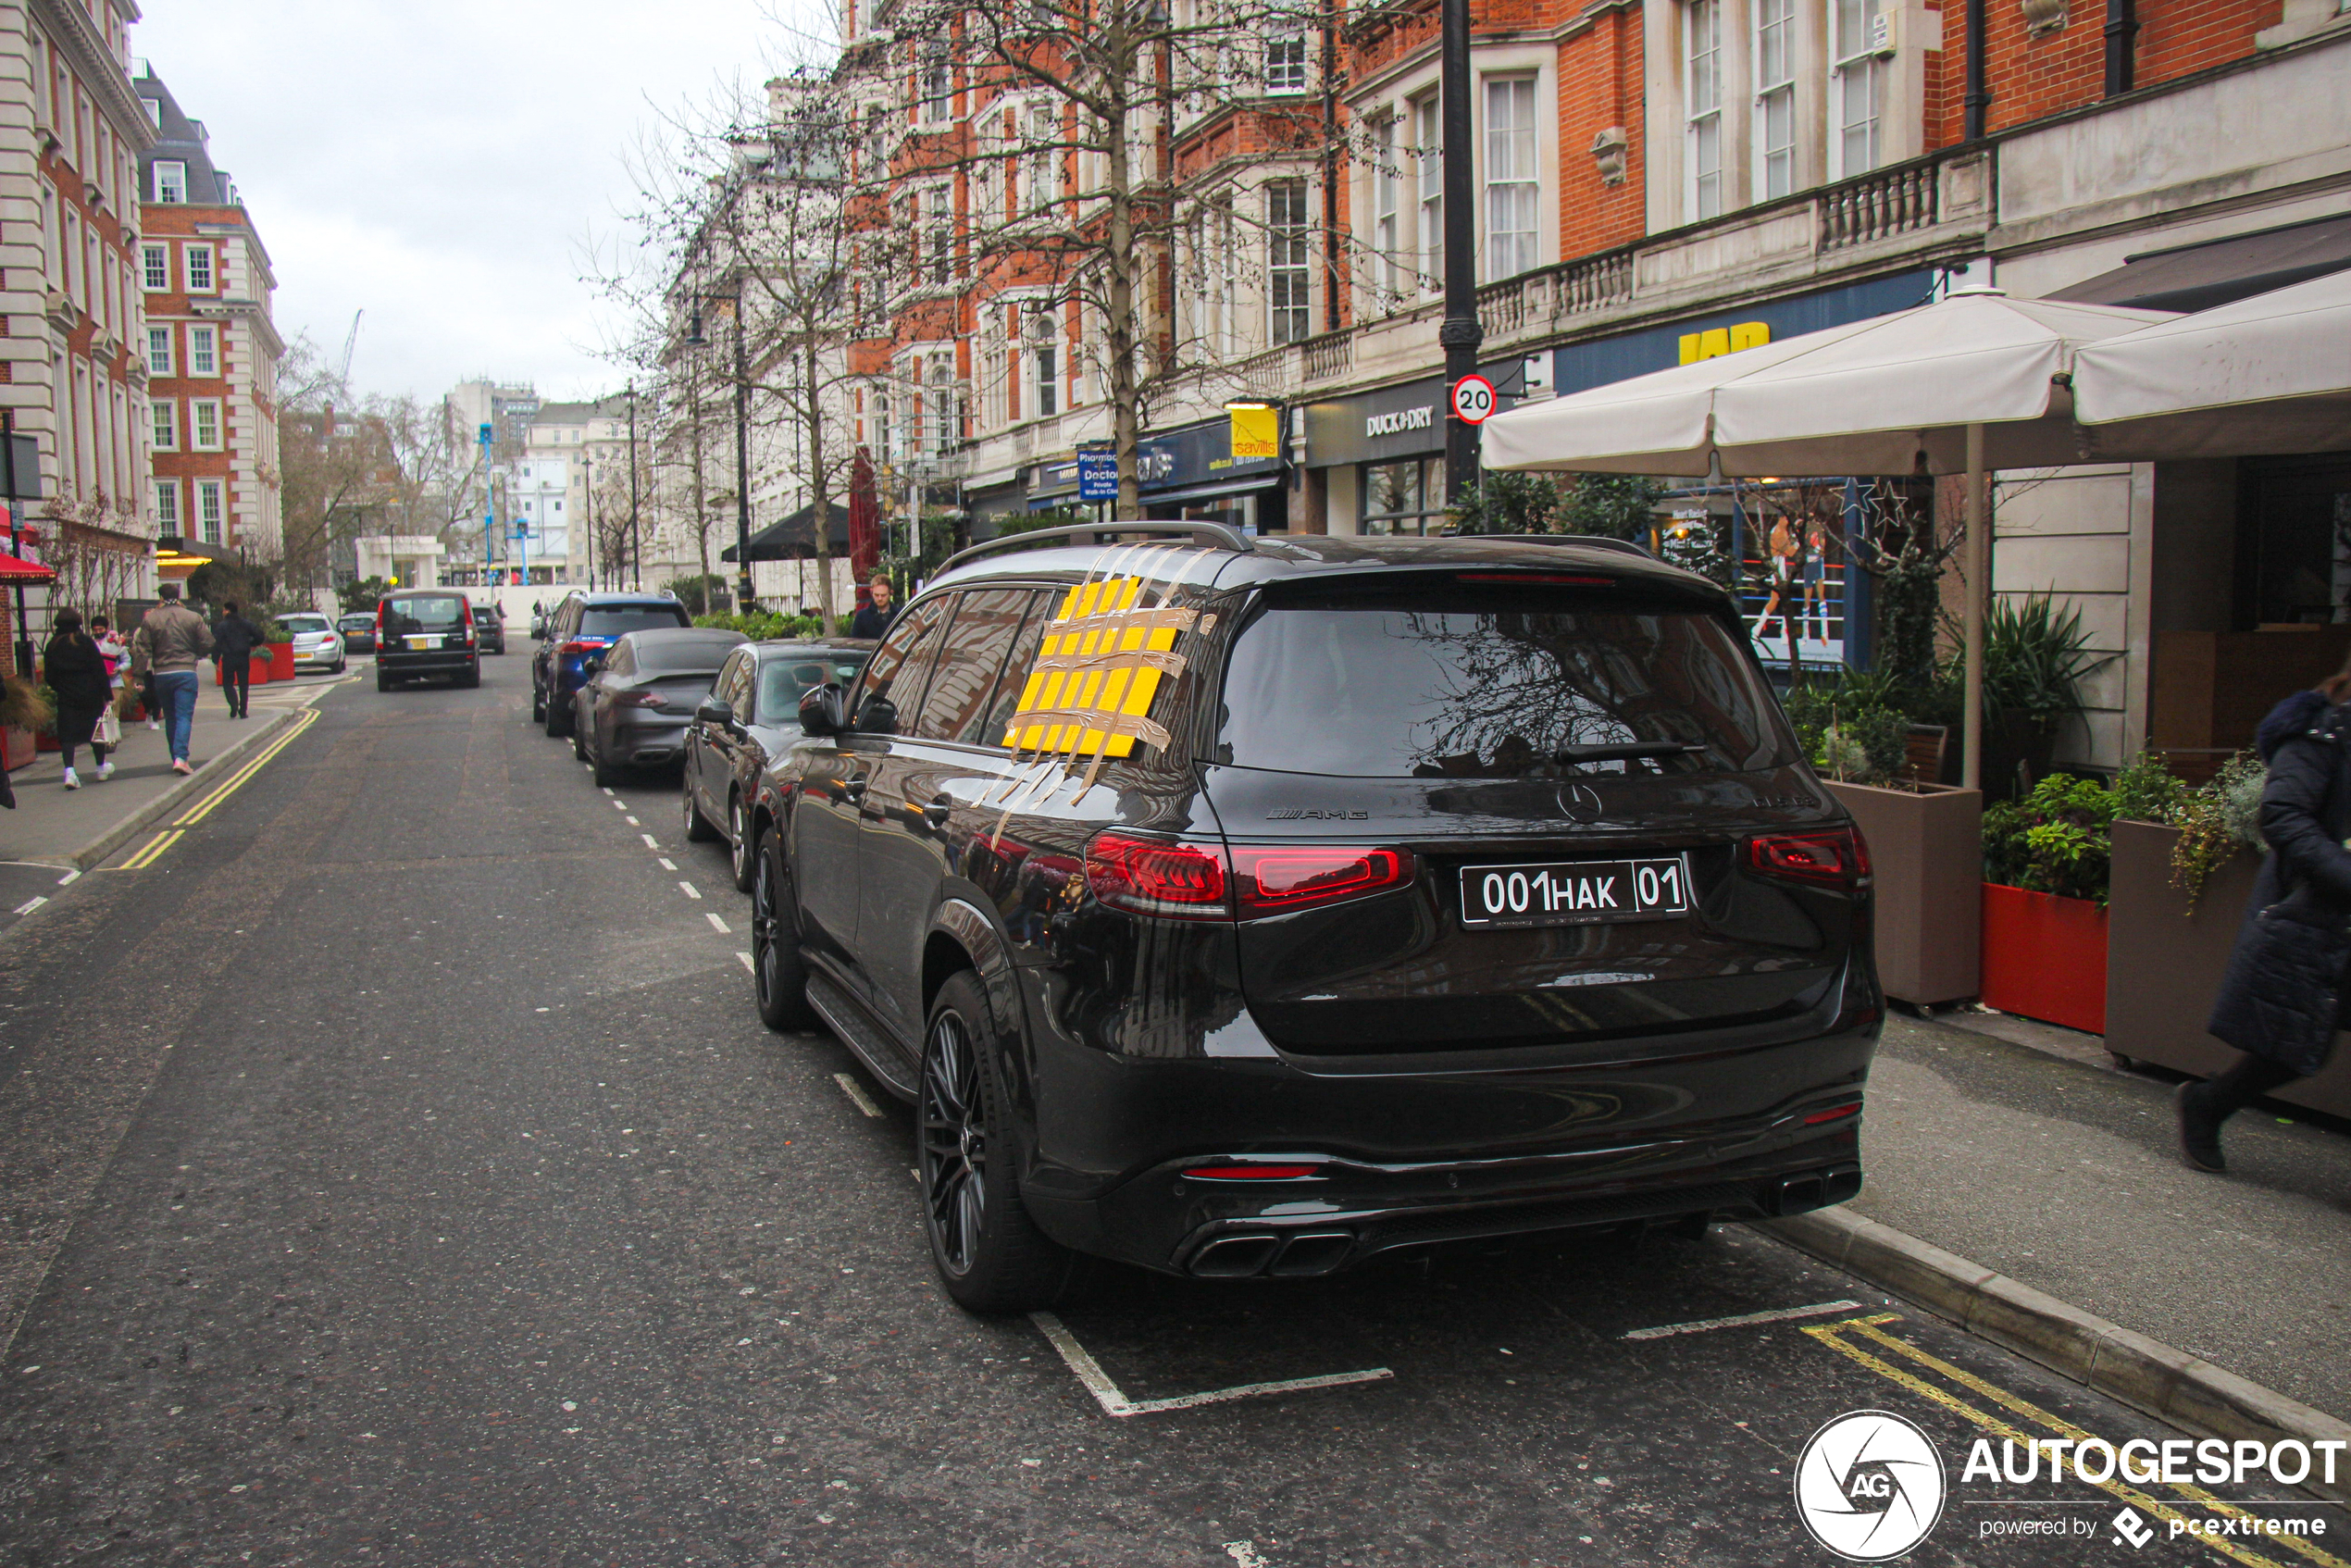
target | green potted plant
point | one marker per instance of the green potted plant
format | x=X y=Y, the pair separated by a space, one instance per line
x=1925 y=838
x=2046 y=868
x=2035 y=660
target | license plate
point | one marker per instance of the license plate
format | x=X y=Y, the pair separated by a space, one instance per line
x=419 y=644
x=1574 y=893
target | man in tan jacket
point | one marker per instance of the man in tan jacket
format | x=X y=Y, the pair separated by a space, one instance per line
x=170 y=641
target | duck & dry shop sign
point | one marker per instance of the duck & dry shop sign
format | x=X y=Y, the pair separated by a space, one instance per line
x=1383 y=453
x=1193 y=475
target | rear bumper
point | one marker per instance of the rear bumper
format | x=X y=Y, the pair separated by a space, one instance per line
x=1408 y=1158
x=649 y=743
x=454 y=661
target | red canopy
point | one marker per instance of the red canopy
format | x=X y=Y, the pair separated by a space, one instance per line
x=864 y=523
x=14 y=570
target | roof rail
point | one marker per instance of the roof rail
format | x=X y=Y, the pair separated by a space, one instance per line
x=1598 y=541
x=1214 y=536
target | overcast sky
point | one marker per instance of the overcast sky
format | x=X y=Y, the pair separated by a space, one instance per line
x=440 y=163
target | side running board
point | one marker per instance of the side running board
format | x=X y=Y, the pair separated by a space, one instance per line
x=864 y=1038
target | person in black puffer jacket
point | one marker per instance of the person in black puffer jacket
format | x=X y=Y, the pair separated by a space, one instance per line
x=2305 y=816
x=76 y=671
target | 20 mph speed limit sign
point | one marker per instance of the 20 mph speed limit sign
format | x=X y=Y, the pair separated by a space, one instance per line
x=1473 y=400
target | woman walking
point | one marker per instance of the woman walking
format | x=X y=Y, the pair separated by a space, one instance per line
x=76 y=671
x=2288 y=988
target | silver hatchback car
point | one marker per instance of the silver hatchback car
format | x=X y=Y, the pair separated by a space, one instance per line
x=317 y=645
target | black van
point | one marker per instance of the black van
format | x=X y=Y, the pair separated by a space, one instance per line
x=423 y=631
x=1423 y=889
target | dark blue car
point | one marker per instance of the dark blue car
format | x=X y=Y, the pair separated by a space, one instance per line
x=582 y=627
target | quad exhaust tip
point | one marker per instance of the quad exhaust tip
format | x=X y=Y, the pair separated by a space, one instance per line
x=1250 y=1254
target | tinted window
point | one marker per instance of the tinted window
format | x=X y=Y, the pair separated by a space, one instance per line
x=621 y=661
x=989 y=728
x=1492 y=687
x=423 y=612
x=898 y=667
x=970 y=655
x=785 y=679
x=357 y=623
x=616 y=620
x=304 y=623
x=663 y=656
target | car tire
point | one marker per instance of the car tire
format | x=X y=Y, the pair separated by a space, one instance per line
x=579 y=744
x=779 y=978
x=555 y=717
x=471 y=680
x=698 y=827
x=602 y=772
x=538 y=704
x=989 y=1252
x=383 y=681
x=745 y=861
x=340 y=666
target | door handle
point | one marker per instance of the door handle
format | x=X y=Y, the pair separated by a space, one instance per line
x=935 y=813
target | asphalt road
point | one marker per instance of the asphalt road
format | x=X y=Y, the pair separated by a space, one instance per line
x=395 y=1171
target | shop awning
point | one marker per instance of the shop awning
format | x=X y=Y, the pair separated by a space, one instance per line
x=2266 y=375
x=2220 y=271
x=14 y=570
x=794 y=539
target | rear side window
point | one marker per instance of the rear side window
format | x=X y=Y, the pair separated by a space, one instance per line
x=621 y=661
x=785 y=679
x=663 y=655
x=989 y=728
x=1504 y=686
x=423 y=612
x=616 y=620
x=901 y=665
x=971 y=658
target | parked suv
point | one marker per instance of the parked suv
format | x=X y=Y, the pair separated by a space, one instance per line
x=583 y=626
x=489 y=625
x=422 y=631
x=1249 y=908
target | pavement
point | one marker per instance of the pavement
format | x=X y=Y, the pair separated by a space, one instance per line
x=393 y=1169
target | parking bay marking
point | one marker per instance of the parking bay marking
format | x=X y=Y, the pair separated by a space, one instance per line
x=1106 y=1393
x=145 y=854
x=746 y=962
x=1782 y=1314
x=1832 y=1335
x=720 y=926
x=692 y=892
x=35 y=901
x=654 y=843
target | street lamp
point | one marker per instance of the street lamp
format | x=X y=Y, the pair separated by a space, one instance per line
x=695 y=339
x=1458 y=334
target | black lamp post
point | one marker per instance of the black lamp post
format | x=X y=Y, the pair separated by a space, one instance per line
x=1458 y=334
x=695 y=339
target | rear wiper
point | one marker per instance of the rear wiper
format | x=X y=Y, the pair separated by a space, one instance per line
x=1613 y=750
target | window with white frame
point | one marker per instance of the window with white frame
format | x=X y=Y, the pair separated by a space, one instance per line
x=167 y=507
x=1858 y=89
x=942 y=422
x=163 y=424
x=938 y=235
x=1044 y=361
x=1774 y=97
x=209 y=511
x=1702 y=88
x=204 y=424
x=937 y=81
x=155 y=268
x=1428 y=149
x=1044 y=175
x=1286 y=57
x=155 y=111
x=1510 y=174
x=197 y=261
x=995 y=377
x=203 y=350
x=159 y=351
x=1387 y=237
x=172 y=181
x=1287 y=319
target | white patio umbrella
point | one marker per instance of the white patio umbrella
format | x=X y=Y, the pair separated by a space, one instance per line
x=2269 y=374
x=1971 y=383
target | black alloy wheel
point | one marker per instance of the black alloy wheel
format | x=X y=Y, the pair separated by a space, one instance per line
x=746 y=869
x=698 y=827
x=989 y=1252
x=778 y=979
x=602 y=772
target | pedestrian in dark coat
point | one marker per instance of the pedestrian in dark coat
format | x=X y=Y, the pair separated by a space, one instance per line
x=233 y=640
x=76 y=671
x=2305 y=817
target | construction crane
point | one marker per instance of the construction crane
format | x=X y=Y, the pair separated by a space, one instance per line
x=350 y=346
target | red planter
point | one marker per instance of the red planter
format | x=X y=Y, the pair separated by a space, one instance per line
x=2044 y=957
x=257 y=671
x=281 y=661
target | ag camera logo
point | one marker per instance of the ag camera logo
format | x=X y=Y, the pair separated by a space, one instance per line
x=1869 y=1485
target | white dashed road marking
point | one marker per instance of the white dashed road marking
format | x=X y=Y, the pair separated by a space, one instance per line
x=654 y=843
x=718 y=925
x=692 y=892
x=634 y=823
x=746 y=961
x=665 y=864
x=1818 y=1309
x=606 y=791
x=68 y=879
x=33 y=903
x=857 y=1095
x=1089 y=1372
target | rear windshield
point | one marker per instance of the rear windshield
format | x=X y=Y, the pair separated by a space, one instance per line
x=357 y=623
x=1495 y=688
x=304 y=623
x=663 y=655
x=783 y=681
x=614 y=620
x=424 y=612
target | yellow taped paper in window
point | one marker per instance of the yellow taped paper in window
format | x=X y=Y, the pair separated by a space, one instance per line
x=1097 y=668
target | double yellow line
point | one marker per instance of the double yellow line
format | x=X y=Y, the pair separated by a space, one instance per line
x=1884 y=1354
x=146 y=855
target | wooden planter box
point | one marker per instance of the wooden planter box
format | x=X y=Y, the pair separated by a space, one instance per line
x=18 y=748
x=1926 y=857
x=2165 y=962
x=2044 y=957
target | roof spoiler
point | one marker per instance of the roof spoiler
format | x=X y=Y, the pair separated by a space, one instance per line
x=1207 y=535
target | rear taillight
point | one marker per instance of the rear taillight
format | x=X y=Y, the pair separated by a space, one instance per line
x=1187 y=881
x=1155 y=877
x=583 y=645
x=1233 y=1172
x=1269 y=879
x=1834 y=858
